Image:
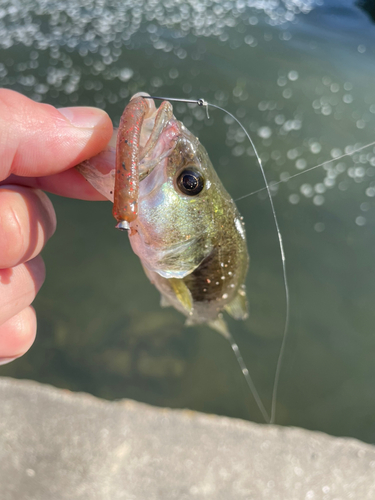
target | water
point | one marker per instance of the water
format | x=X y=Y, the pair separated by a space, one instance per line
x=299 y=76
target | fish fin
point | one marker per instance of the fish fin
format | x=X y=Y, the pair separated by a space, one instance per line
x=182 y=293
x=238 y=308
x=220 y=326
x=164 y=302
x=99 y=171
x=190 y=322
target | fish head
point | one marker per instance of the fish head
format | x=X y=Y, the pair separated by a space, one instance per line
x=181 y=198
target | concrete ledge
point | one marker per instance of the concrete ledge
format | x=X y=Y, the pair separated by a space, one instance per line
x=59 y=445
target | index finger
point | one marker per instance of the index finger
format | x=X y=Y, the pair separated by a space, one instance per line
x=39 y=140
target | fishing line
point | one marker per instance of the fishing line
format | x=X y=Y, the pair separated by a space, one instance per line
x=276 y=183
x=202 y=102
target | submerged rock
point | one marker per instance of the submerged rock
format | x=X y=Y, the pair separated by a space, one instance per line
x=60 y=445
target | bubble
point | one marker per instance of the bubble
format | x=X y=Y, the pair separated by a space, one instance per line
x=296 y=124
x=287 y=93
x=264 y=132
x=361 y=49
x=365 y=206
x=370 y=192
x=173 y=73
x=301 y=163
x=285 y=36
x=360 y=220
x=318 y=200
x=156 y=81
x=181 y=53
x=126 y=74
x=281 y=81
x=351 y=172
x=249 y=39
x=320 y=188
x=326 y=110
x=292 y=154
x=294 y=199
x=307 y=190
x=361 y=124
x=347 y=98
x=329 y=182
x=41 y=88
x=316 y=104
x=359 y=172
x=315 y=147
x=341 y=167
x=335 y=87
x=279 y=119
x=293 y=75
x=284 y=176
x=319 y=227
x=336 y=152
x=238 y=150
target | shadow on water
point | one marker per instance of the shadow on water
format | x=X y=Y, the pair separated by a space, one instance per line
x=296 y=77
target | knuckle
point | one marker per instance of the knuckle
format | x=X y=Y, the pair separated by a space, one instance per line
x=27 y=221
x=12 y=241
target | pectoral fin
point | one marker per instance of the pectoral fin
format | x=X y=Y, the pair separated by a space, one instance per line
x=237 y=308
x=182 y=293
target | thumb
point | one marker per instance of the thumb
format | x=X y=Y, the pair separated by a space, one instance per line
x=38 y=139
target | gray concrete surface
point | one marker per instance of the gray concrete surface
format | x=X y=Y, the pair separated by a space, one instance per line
x=59 y=445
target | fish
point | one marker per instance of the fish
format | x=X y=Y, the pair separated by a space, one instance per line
x=182 y=223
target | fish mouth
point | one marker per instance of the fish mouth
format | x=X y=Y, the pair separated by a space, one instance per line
x=158 y=136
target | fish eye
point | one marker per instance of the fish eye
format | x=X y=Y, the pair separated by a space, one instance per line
x=190 y=182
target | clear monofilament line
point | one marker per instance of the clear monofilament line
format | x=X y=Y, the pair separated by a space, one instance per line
x=307 y=170
x=282 y=252
x=271 y=420
x=247 y=376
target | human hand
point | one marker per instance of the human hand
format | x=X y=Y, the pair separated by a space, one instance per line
x=39 y=145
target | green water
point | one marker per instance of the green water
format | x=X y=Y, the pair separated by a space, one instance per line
x=302 y=84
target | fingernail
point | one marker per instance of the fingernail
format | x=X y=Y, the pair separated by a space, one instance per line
x=4 y=361
x=83 y=117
